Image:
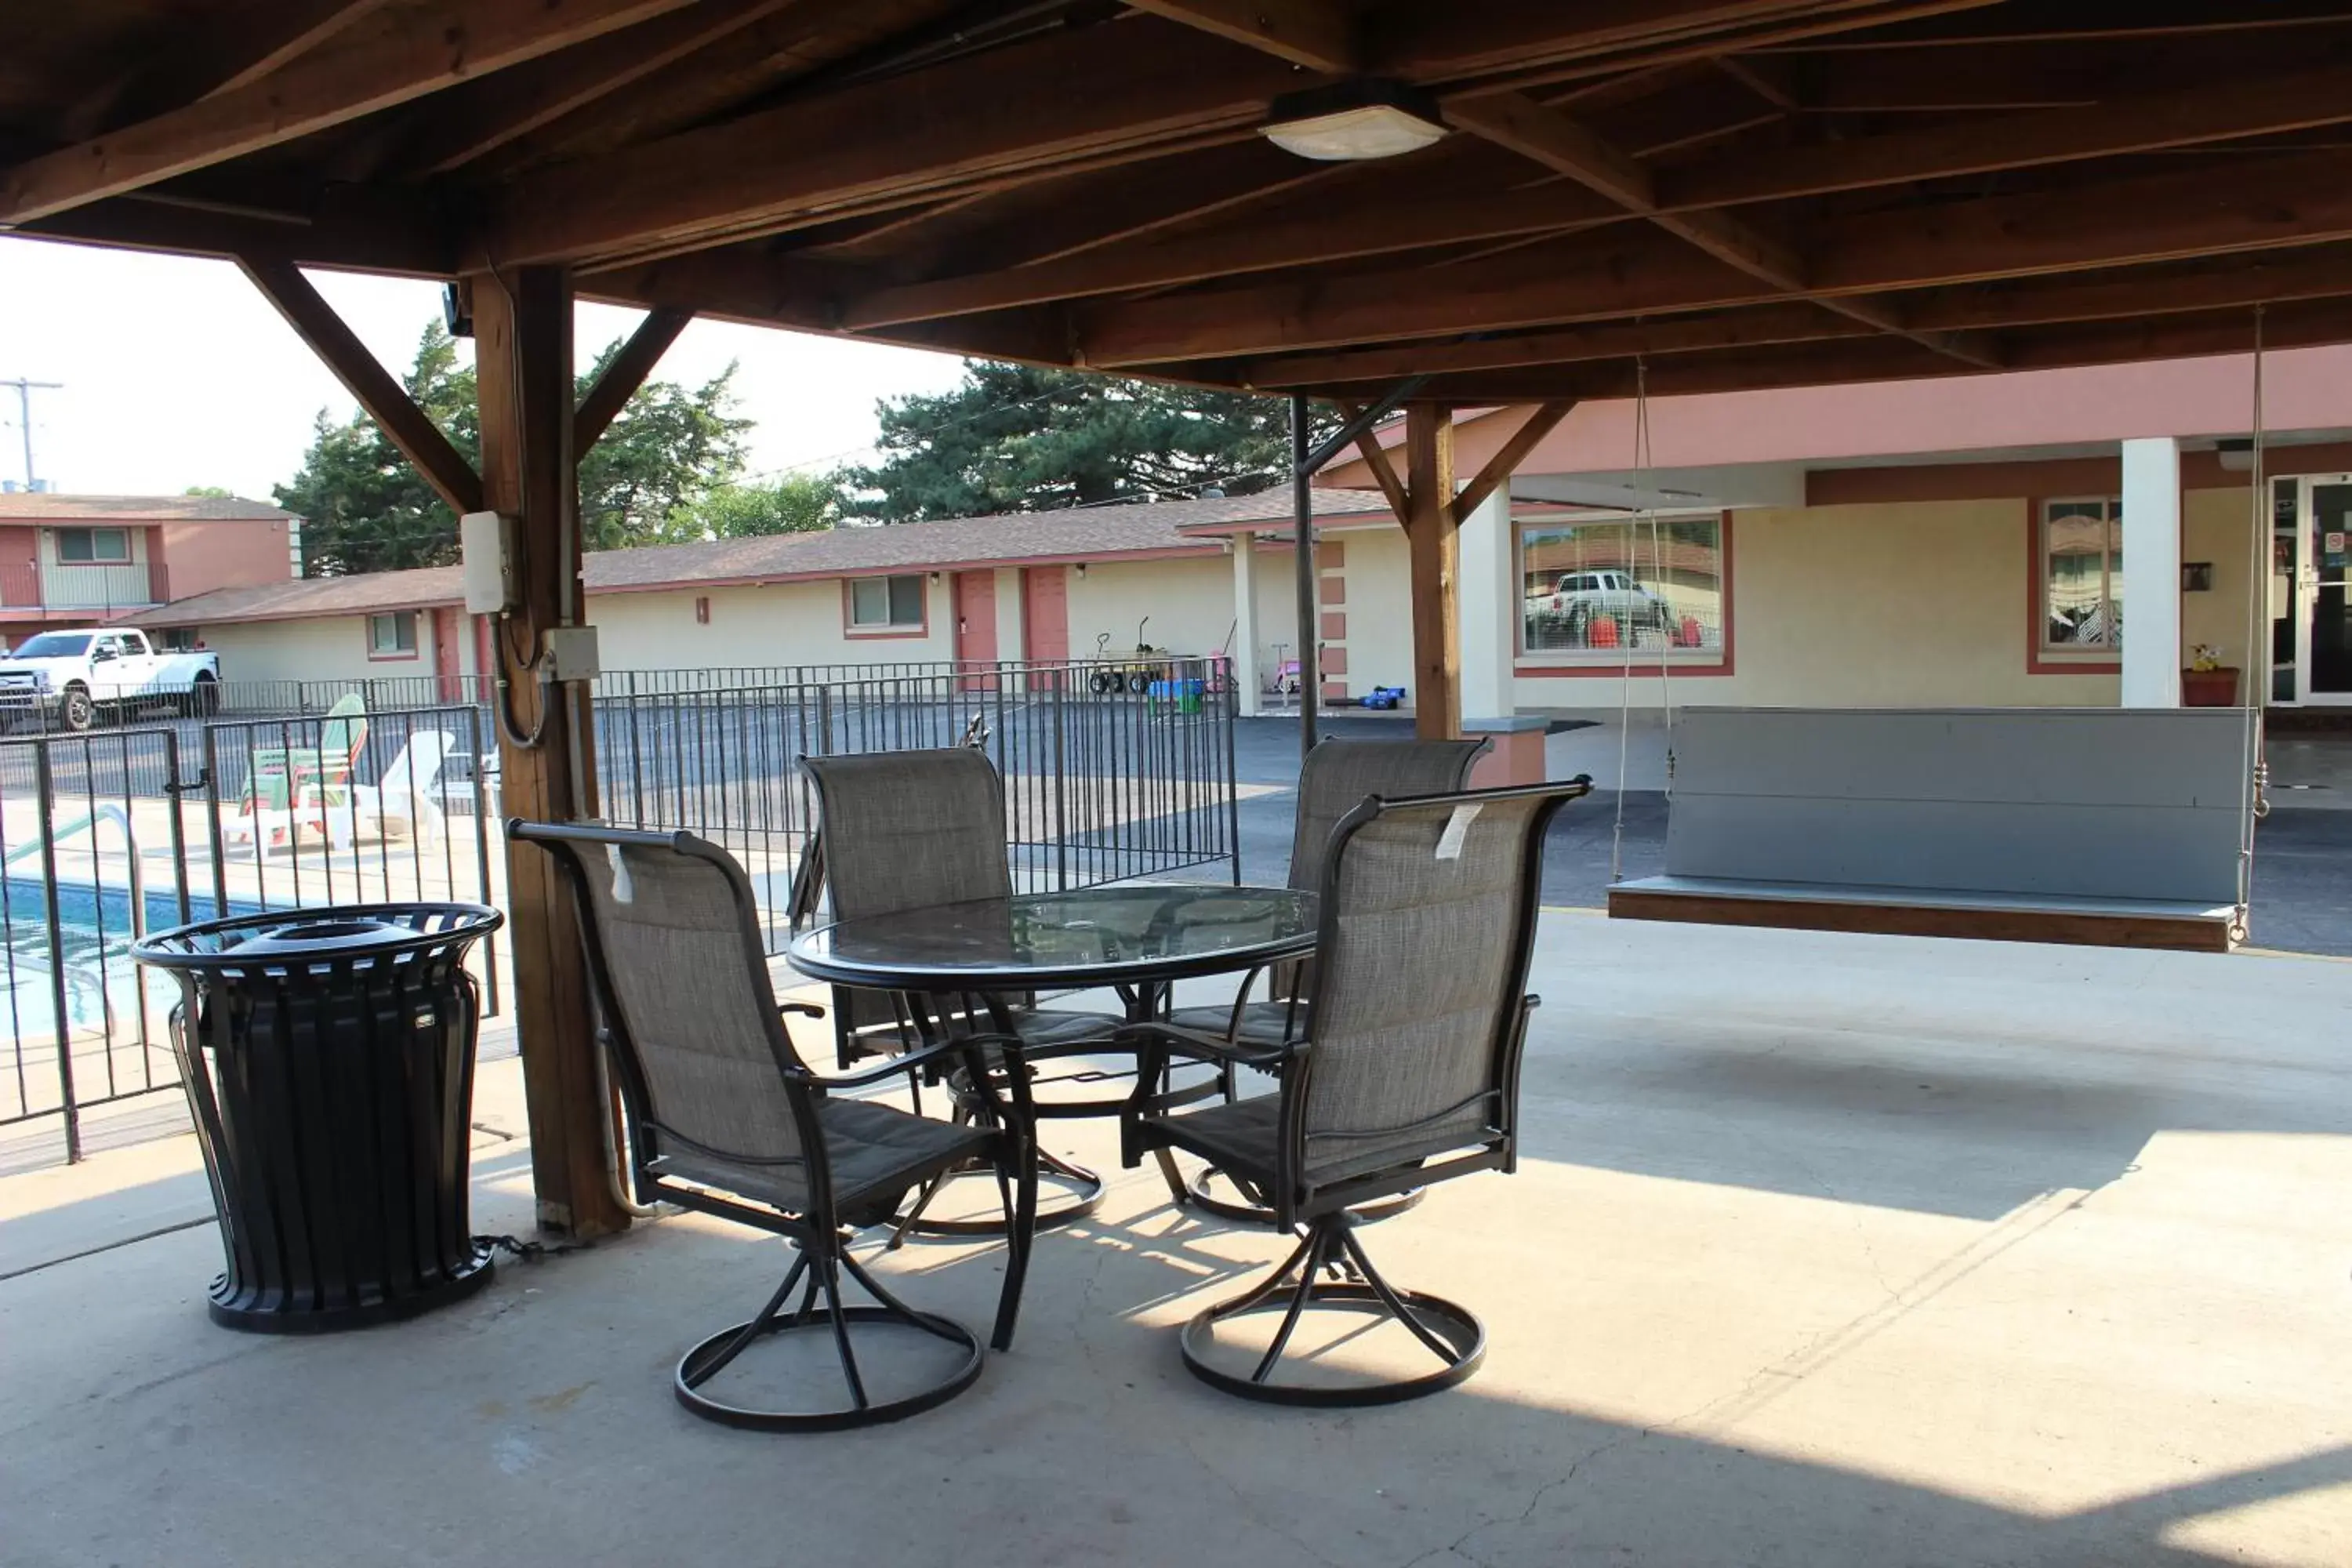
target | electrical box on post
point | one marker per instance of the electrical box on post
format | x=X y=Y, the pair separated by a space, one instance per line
x=486 y=542
x=569 y=653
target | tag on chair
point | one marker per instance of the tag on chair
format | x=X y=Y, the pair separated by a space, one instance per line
x=624 y=890
x=1457 y=828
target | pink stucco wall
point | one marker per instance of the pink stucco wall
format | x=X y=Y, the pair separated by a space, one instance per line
x=2305 y=389
x=201 y=557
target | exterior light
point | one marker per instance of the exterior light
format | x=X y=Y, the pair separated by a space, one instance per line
x=1370 y=117
x=2236 y=454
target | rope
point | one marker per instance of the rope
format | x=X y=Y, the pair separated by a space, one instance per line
x=2252 y=803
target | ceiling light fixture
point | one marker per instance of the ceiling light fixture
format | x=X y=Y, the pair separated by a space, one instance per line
x=1368 y=117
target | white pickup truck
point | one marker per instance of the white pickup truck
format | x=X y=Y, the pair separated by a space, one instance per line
x=75 y=677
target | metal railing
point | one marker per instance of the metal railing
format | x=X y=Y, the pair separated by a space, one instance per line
x=106 y=836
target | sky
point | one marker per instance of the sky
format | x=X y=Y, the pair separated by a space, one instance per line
x=176 y=372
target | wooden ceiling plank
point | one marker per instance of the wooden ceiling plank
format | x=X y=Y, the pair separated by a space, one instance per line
x=625 y=373
x=1294 y=235
x=430 y=48
x=2223 y=112
x=992 y=113
x=2283 y=201
x=1473 y=37
x=291 y=34
x=480 y=118
x=1541 y=422
x=1316 y=34
x=371 y=231
x=420 y=440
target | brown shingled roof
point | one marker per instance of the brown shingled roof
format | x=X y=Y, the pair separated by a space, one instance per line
x=26 y=506
x=1077 y=534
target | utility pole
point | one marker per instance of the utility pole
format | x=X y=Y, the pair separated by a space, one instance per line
x=24 y=390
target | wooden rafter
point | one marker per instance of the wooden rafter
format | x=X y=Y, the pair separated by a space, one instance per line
x=1384 y=474
x=479 y=118
x=288 y=37
x=1315 y=34
x=625 y=373
x=1559 y=143
x=420 y=440
x=1541 y=422
x=360 y=72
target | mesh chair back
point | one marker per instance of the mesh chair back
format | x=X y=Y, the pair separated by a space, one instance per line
x=909 y=830
x=1428 y=917
x=1339 y=775
x=674 y=947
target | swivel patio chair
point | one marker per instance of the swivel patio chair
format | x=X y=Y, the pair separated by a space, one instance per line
x=1409 y=1075
x=909 y=830
x=1337 y=776
x=723 y=1116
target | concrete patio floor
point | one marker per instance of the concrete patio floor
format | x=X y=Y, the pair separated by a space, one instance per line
x=1825 y=1250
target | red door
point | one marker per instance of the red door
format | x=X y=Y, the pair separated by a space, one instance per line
x=975 y=623
x=445 y=654
x=1046 y=614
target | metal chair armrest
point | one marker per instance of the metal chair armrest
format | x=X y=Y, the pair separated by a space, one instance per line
x=805 y=1009
x=891 y=1067
x=1215 y=1048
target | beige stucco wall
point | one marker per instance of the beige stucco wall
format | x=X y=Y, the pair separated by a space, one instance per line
x=1379 y=608
x=2214 y=528
x=1908 y=604
x=1277 y=606
x=781 y=624
x=328 y=648
x=1190 y=599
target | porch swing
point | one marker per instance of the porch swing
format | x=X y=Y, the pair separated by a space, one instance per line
x=2099 y=827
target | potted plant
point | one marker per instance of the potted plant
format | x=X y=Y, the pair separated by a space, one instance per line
x=2208 y=682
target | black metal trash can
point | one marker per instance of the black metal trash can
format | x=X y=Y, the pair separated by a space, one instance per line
x=329 y=1059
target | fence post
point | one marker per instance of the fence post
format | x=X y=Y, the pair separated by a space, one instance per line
x=1233 y=774
x=1061 y=795
x=45 y=785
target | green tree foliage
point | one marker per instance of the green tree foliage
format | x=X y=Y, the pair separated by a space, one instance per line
x=1013 y=438
x=367 y=510
x=796 y=503
x=210 y=492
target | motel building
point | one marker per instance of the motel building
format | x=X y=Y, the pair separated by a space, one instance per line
x=1970 y=541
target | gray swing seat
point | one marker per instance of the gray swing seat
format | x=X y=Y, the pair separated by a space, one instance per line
x=2099 y=827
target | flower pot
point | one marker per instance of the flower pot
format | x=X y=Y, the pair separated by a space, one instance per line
x=2210 y=688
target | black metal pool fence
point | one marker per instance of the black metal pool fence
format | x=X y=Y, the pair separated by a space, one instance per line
x=278 y=799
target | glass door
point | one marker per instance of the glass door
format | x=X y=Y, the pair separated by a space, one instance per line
x=2324 y=654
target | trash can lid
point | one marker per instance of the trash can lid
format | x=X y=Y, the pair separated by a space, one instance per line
x=342 y=932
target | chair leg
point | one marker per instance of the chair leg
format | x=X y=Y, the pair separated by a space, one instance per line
x=1450 y=1332
x=1018 y=1189
x=818 y=1271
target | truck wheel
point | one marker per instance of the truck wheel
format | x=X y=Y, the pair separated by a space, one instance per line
x=1102 y=683
x=202 y=699
x=76 y=711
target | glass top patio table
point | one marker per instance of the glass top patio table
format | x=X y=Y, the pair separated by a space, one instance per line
x=1137 y=935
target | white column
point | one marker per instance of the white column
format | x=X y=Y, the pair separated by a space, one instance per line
x=2151 y=573
x=1487 y=597
x=1244 y=650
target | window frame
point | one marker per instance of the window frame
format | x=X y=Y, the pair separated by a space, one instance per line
x=1719 y=660
x=396 y=654
x=2043 y=656
x=920 y=628
x=128 y=557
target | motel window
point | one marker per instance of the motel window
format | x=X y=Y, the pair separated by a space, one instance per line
x=1592 y=588
x=393 y=635
x=94 y=545
x=886 y=603
x=2083 y=574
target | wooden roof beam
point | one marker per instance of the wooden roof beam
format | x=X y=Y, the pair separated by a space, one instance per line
x=1559 y=143
x=1541 y=422
x=418 y=51
x=420 y=440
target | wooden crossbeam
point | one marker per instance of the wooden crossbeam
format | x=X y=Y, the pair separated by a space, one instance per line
x=1384 y=474
x=1316 y=34
x=287 y=35
x=2260 y=203
x=373 y=229
x=1541 y=422
x=479 y=118
x=416 y=51
x=626 y=372
x=420 y=440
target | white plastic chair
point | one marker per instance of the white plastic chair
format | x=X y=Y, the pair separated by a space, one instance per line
x=406 y=794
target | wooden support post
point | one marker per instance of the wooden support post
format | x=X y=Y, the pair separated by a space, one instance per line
x=523 y=327
x=1432 y=550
